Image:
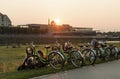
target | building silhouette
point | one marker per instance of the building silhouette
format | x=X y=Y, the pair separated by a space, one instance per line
x=5 y=21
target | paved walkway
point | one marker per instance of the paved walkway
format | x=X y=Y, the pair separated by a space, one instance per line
x=109 y=70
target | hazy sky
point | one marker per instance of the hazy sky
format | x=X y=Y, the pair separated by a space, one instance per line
x=102 y=15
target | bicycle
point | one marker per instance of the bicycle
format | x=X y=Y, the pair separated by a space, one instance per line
x=35 y=58
x=71 y=55
x=88 y=54
x=114 y=51
x=102 y=52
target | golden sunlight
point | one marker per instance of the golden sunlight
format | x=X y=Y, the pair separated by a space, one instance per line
x=57 y=21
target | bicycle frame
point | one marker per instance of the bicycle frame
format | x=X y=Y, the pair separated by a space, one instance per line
x=68 y=51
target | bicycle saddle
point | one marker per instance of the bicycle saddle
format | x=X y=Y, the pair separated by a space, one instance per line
x=81 y=46
x=86 y=45
x=111 y=45
x=47 y=46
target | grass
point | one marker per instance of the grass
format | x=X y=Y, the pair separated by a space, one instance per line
x=25 y=74
x=12 y=58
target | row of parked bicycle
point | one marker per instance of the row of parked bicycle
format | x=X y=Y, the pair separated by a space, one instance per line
x=59 y=55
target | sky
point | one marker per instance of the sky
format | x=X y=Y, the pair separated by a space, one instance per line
x=103 y=15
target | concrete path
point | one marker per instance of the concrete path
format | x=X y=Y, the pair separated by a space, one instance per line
x=109 y=70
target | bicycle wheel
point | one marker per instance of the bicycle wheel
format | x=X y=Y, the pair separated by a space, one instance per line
x=89 y=56
x=56 y=60
x=107 y=54
x=32 y=61
x=115 y=51
x=76 y=58
x=97 y=53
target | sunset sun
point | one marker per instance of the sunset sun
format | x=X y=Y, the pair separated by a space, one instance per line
x=57 y=21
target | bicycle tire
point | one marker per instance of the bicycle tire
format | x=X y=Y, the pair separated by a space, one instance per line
x=115 y=51
x=107 y=54
x=32 y=61
x=76 y=58
x=56 y=60
x=89 y=56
